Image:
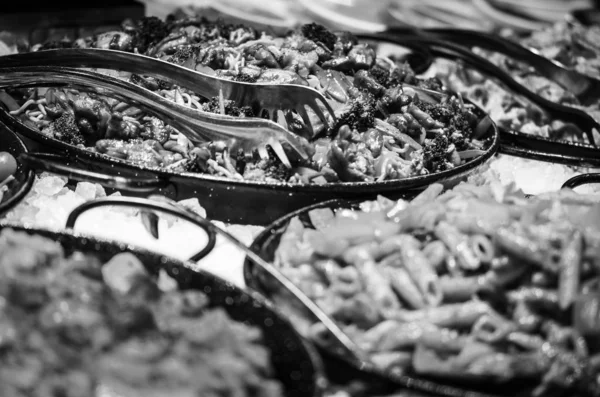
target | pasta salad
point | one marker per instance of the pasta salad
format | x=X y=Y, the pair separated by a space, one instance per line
x=471 y=284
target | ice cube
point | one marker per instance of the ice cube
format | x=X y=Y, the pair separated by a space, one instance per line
x=244 y=233
x=45 y=175
x=64 y=190
x=100 y=192
x=50 y=185
x=194 y=205
x=40 y=201
x=68 y=201
x=22 y=213
x=49 y=218
x=86 y=190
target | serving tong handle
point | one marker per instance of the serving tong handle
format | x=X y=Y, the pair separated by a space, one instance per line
x=445 y=49
x=345 y=346
x=197 y=126
x=582 y=179
x=267 y=96
x=585 y=88
x=533 y=147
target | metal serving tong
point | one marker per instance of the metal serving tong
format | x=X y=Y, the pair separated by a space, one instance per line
x=345 y=346
x=261 y=97
x=197 y=126
x=512 y=142
x=445 y=49
x=585 y=88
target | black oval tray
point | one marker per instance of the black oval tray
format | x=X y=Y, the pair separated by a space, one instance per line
x=338 y=368
x=240 y=202
x=296 y=363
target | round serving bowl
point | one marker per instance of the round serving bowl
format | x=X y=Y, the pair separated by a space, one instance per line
x=295 y=362
x=338 y=366
x=228 y=200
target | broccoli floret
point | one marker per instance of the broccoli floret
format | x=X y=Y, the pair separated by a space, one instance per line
x=435 y=153
x=214 y=106
x=319 y=33
x=148 y=31
x=65 y=129
x=380 y=74
x=451 y=114
x=271 y=167
x=458 y=139
x=245 y=78
x=443 y=113
x=182 y=54
x=274 y=168
x=360 y=116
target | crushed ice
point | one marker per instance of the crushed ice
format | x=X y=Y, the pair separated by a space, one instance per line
x=50 y=202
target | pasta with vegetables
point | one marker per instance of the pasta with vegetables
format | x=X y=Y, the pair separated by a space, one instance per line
x=73 y=326
x=383 y=129
x=469 y=284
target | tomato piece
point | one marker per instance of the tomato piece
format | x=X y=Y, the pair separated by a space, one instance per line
x=8 y=165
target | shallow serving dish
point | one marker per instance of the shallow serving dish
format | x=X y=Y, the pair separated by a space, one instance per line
x=242 y=202
x=18 y=189
x=338 y=367
x=296 y=364
x=254 y=202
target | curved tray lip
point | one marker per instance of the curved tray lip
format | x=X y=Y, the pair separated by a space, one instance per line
x=26 y=187
x=255 y=297
x=341 y=187
x=275 y=228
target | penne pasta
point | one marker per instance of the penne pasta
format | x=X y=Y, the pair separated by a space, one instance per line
x=405 y=287
x=420 y=270
x=321 y=217
x=569 y=271
x=346 y=282
x=393 y=336
x=455 y=316
x=325 y=246
x=526 y=341
x=524 y=247
x=436 y=254
x=458 y=244
x=360 y=253
x=492 y=328
x=460 y=289
x=469 y=283
x=483 y=248
x=429 y=194
x=378 y=287
x=423 y=217
x=395 y=362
